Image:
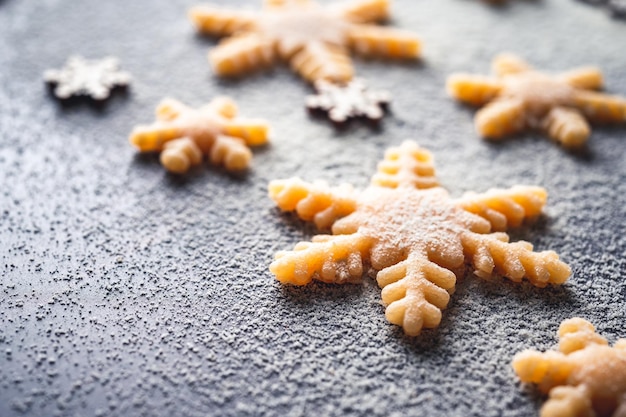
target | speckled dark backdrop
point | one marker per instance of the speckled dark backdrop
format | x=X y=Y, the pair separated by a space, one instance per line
x=126 y=291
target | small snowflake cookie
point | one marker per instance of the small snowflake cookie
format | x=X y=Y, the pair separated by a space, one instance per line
x=184 y=135
x=83 y=77
x=315 y=40
x=518 y=97
x=418 y=239
x=343 y=102
x=585 y=378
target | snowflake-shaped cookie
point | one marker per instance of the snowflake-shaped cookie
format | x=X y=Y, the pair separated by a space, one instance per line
x=342 y=102
x=585 y=378
x=519 y=97
x=406 y=227
x=183 y=135
x=92 y=78
x=313 y=39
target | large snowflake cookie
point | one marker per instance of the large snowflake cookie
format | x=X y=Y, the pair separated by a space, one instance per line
x=518 y=97
x=418 y=239
x=585 y=378
x=184 y=135
x=313 y=39
x=83 y=77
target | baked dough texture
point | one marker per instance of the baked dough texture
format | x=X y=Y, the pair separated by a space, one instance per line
x=584 y=378
x=407 y=230
x=183 y=135
x=315 y=40
x=518 y=97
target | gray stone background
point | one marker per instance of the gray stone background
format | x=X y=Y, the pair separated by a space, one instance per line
x=125 y=291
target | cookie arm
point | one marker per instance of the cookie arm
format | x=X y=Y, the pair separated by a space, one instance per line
x=473 y=89
x=567 y=126
x=601 y=108
x=231 y=152
x=219 y=22
x=577 y=334
x=569 y=401
x=415 y=291
x=222 y=105
x=315 y=202
x=332 y=259
x=500 y=118
x=241 y=54
x=169 y=109
x=376 y=41
x=507 y=64
x=589 y=78
x=149 y=138
x=320 y=61
x=179 y=155
x=505 y=208
x=365 y=11
x=547 y=369
x=253 y=132
x=277 y=4
x=406 y=165
x=492 y=254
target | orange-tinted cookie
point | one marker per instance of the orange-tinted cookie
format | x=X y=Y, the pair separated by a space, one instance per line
x=518 y=98
x=315 y=40
x=183 y=135
x=408 y=229
x=585 y=377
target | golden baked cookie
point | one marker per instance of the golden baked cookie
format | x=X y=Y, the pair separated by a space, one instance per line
x=518 y=97
x=417 y=239
x=584 y=378
x=184 y=135
x=315 y=40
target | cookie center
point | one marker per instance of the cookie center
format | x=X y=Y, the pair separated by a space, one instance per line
x=539 y=92
x=407 y=220
x=295 y=27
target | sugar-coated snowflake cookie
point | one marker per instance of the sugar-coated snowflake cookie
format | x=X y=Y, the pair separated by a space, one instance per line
x=313 y=39
x=585 y=378
x=184 y=135
x=418 y=239
x=518 y=97
x=94 y=78
x=344 y=102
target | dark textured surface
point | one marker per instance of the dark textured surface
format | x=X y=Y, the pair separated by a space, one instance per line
x=126 y=291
